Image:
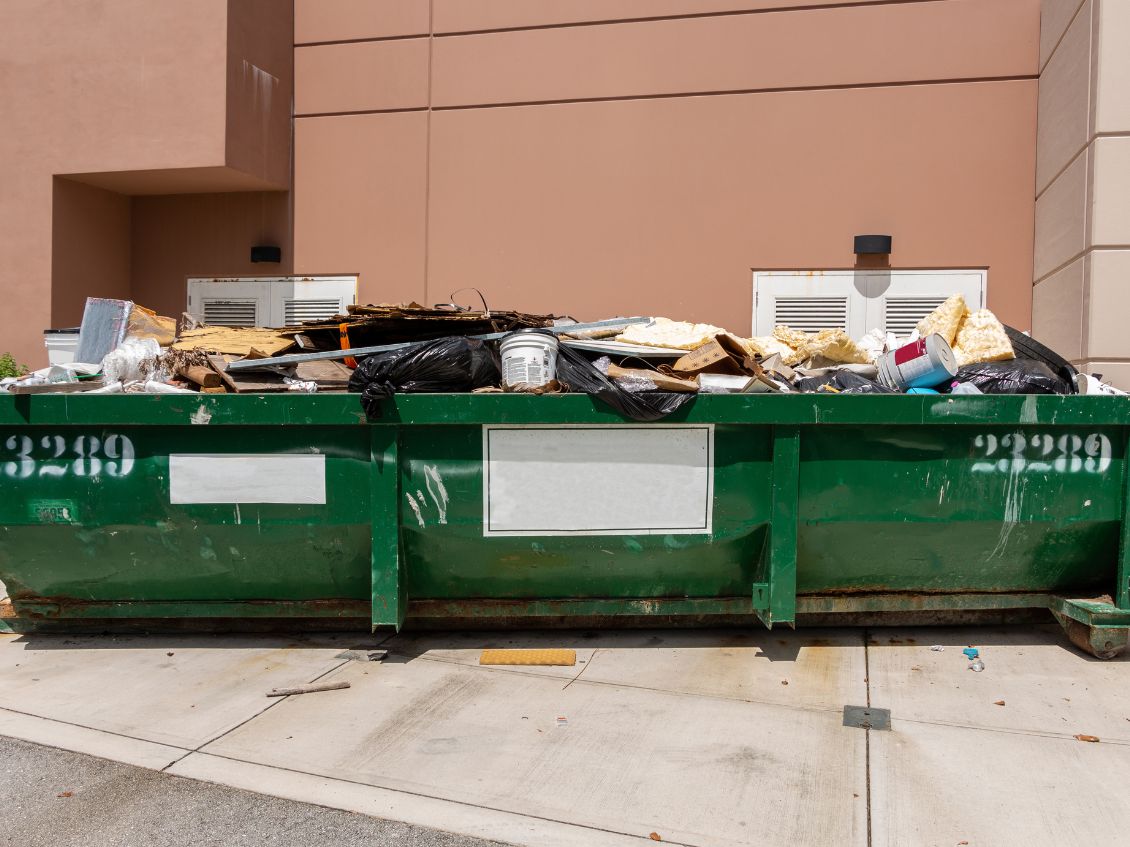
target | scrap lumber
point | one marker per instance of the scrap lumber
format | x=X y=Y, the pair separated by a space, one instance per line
x=308 y=689
x=329 y=376
x=219 y=365
x=202 y=376
x=57 y=387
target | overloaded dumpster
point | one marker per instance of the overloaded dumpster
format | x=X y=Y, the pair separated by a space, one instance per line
x=499 y=507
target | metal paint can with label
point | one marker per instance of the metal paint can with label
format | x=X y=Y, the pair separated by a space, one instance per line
x=923 y=363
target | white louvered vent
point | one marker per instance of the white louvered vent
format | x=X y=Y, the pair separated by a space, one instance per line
x=298 y=311
x=902 y=314
x=230 y=313
x=811 y=313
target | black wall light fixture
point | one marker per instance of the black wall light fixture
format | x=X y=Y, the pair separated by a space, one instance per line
x=266 y=253
x=872 y=245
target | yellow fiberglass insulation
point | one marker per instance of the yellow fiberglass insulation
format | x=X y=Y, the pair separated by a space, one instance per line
x=765 y=346
x=834 y=345
x=664 y=332
x=795 y=338
x=981 y=338
x=945 y=319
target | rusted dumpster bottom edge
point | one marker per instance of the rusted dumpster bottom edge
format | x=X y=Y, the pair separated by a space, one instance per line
x=877 y=609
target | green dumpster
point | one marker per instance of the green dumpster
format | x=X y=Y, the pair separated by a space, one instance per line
x=497 y=508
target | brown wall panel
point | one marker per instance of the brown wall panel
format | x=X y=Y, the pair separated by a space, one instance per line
x=665 y=206
x=368 y=76
x=839 y=46
x=260 y=89
x=345 y=20
x=87 y=87
x=183 y=235
x=359 y=201
x=463 y=16
x=90 y=248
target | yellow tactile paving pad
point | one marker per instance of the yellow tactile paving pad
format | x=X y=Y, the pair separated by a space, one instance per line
x=528 y=657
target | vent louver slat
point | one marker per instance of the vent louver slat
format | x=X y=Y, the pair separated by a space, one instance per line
x=902 y=314
x=298 y=311
x=230 y=313
x=811 y=314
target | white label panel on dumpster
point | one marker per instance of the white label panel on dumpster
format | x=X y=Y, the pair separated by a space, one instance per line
x=598 y=480
x=298 y=478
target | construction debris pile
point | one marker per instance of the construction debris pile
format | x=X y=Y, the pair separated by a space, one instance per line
x=644 y=367
x=124 y=348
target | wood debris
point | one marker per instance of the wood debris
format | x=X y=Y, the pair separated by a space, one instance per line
x=386 y=323
x=328 y=375
x=234 y=340
x=308 y=689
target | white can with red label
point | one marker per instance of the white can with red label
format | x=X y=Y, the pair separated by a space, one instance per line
x=924 y=363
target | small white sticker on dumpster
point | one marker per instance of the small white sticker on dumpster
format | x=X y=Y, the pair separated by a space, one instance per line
x=248 y=478
x=598 y=480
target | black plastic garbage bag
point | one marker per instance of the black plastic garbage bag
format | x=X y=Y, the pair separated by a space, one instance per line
x=1027 y=347
x=580 y=375
x=453 y=364
x=847 y=382
x=1016 y=376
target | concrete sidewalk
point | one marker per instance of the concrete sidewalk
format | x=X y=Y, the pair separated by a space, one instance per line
x=702 y=737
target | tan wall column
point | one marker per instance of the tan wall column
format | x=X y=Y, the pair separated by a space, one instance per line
x=1082 y=243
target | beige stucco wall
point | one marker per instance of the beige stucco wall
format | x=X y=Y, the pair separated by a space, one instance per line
x=1082 y=247
x=130 y=97
x=585 y=156
x=635 y=164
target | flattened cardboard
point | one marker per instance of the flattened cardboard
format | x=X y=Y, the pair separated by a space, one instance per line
x=724 y=354
x=662 y=381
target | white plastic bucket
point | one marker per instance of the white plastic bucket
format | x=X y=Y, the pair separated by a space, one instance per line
x=61 y=345
x=923 y=363
x=529 y=358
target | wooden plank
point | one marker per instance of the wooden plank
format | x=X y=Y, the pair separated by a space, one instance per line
x=328 y=374
x=308 y=689
x=219 y=365
x=58 y=387
x=202 y=376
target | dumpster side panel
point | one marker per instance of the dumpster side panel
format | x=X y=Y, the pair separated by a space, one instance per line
x=945 y=508
x=88 y=513
x=448 y=556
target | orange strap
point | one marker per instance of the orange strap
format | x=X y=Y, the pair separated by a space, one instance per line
x=343 y=330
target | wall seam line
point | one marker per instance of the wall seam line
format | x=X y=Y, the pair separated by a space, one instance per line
x=735 y=92
x=1074 y=158
x=350 y=113
x=428 y=153
x=1062 y=35
x=1094 y=248
x=731 y=13
x=333 y=42
x=619 y=98
x=1075 y=258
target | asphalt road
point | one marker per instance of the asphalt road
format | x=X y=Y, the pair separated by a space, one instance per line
x=54 y=798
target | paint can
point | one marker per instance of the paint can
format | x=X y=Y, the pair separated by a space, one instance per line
x=529 y=358
x=923 y=363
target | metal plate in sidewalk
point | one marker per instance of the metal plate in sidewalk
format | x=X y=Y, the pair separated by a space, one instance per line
x=867 y=717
